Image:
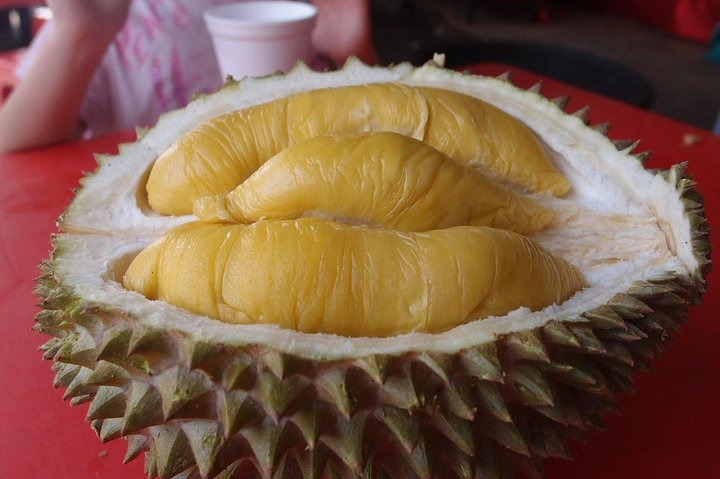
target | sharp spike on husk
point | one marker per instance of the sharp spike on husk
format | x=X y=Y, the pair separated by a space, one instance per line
x=588 y=341
x=582 y=114
x=643 y=156
x=624 y=335
x=602 y=128
x=205 y=440
x=505 y=76
x=376 y=367
x=51 y=348
x=561 y=102
x=109 y=402
x=556 y=333
x=530 y=386
x=404 y=429
x=111 y=429
x=438 y=365
x=482 y=363
x=151 y=468
x=617 y=351
x=279 y=395
x=148 y=340
x=178 y=387
x=239 y=374
x=570 y=374
x=625 y=145
x=526 y=345
x=144 y=407
x=504 y=433
x=457 y=400
x=330 y=387
x=398 y=390
x=77 y=348
x=115 y=342
x=536 y=88
x=263 y=441
x=347 y=444
x=272 y=362
x=96 y=426
x=108 y=374
x=236 y=410
x=565 y=409
x=604 y=317
x=77 y=386
x=172 y=451
x=309 y=425
x=64 y=374
x=78 y=400
x=648 y=290
x=491 y=399
x=189 y=473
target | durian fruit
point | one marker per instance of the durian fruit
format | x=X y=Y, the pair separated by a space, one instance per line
x=488 y=398
x=219 y=154
x=318 y=276
x=380 y=178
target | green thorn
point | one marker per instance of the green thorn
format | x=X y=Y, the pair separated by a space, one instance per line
x=556 y=333
x=491 y=399
x=206 y=440
x=526 y=345
x=144 y=407
x=481 y=362
x=109 y=402
x=108 y=374
x=137 y=444
x=530 y=385
x=172 y=451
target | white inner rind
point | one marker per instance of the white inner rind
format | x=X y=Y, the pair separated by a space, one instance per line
x=619 y=224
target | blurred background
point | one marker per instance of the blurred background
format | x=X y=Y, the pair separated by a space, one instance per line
x=662 y=55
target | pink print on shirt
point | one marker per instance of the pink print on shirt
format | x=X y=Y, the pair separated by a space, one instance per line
x=163 y=18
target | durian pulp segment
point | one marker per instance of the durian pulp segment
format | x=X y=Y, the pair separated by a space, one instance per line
x=219 y=154
x=377 y=179
x=313 y=275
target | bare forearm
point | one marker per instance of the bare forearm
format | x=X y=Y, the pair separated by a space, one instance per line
x=44 y=107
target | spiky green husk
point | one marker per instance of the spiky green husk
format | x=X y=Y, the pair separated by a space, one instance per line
x=203 y=410
x=200 y=409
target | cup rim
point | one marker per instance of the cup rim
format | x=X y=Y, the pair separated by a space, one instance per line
x=303 y=13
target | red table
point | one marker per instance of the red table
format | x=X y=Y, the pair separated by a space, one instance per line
x=670 y=429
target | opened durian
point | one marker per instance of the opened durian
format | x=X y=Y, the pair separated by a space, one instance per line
x=389 y=272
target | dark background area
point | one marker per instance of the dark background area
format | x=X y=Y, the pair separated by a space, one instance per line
x=615 y=54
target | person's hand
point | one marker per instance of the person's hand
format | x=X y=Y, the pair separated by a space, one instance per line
x=94 y=20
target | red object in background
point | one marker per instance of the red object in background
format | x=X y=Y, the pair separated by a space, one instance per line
x=691 y=19
x=670 y=429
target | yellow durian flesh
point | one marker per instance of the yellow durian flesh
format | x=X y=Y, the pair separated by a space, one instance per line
x=380 y=179
x=218 y=155
x=313 y=275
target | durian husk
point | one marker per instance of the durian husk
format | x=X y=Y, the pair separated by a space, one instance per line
x=205 y=400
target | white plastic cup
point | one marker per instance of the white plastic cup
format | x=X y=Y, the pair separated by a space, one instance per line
x=260 y=38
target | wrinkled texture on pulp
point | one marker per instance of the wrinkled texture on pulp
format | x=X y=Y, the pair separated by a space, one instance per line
x=218 y=155
x=380 y=179
x=314 y=275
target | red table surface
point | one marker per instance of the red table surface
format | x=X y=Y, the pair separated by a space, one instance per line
x=669 y=429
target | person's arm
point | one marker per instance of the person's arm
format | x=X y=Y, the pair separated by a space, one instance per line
x=43 y=108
